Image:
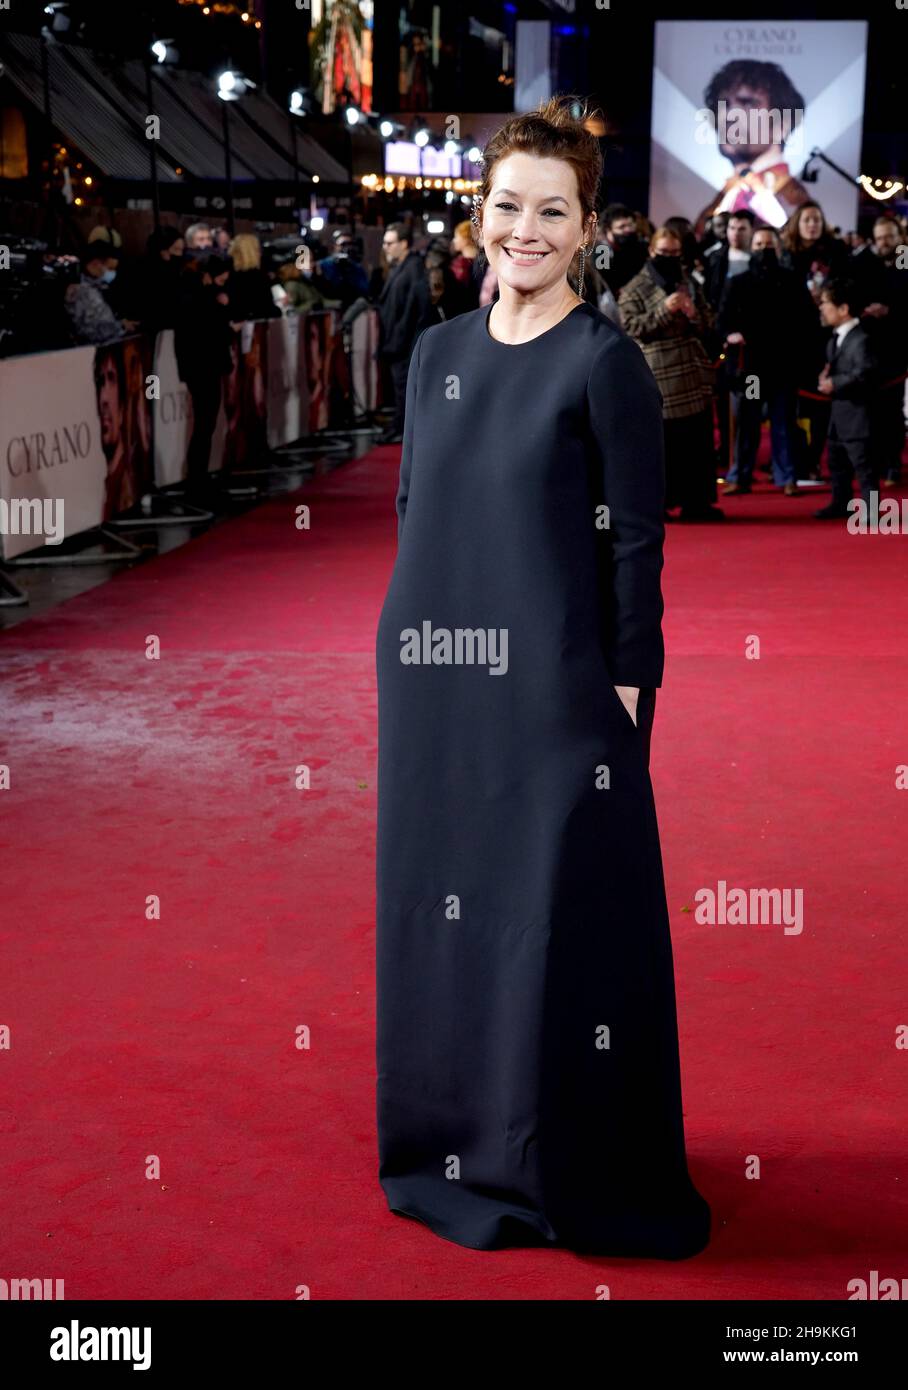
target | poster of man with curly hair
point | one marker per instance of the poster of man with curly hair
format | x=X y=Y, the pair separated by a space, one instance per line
x=738 y=105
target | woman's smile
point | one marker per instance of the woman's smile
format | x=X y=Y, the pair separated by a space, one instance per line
x=520 y=257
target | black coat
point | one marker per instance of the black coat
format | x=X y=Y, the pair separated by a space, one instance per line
x=250 y=296
x=715 y=275
x=202 y=334
x=403 y=307
x=854 y=374
x=774 y=313
x=624 y=262
x=880 y=283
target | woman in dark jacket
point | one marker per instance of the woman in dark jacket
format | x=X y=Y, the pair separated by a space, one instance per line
x=249 y=287
x=816 y=257
x=151 y=292
x=202 y=340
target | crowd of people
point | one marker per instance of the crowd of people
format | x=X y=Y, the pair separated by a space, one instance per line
x=799 y=325
x=802 y=327
x=204 y=284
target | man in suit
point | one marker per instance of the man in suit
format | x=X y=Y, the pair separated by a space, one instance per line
x=404 y=310
x=884 y=291
x=727 y=259
x=627 y=252
x=759 y=318
x=848 y=379
x=721 y=264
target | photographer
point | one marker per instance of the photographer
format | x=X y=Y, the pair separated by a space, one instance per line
x=341 y=276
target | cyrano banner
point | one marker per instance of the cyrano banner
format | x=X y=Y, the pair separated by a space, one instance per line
x=738 y=105
x=172 y=415
x=76 y=426
x=83 y=447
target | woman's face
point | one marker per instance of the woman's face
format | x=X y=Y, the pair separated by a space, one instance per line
x=532 y=222
x=666 y=245
x=810 y=224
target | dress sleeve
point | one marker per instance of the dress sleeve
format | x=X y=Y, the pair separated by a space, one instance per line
x=406 y=457
x=625 y=408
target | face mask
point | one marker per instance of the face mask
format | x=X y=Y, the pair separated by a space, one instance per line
x=108 y=277
x=625 y=238
x=669 y=267
x=766 y=259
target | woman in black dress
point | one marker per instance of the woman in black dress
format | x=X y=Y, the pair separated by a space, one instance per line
x=528 y=1073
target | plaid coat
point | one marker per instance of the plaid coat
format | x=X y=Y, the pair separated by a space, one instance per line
x=671 y=343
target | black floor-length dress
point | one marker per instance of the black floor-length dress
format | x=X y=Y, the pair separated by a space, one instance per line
x=527 y=1046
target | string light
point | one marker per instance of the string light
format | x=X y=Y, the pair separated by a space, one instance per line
x=416 y=181
x=222 y=7
x=62 y=167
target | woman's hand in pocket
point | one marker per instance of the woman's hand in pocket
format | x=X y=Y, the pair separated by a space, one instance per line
x=628 y=696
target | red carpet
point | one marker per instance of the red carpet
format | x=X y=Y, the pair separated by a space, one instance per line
x=176 y=1038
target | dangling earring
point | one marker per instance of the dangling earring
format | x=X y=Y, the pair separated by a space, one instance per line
x=474 y=215
x=583 y=254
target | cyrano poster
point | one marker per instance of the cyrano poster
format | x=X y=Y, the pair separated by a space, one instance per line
x=739 y=104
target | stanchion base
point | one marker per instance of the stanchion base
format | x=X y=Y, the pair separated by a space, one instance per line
x=125 y=550
x=11 y=596
x=154 y=510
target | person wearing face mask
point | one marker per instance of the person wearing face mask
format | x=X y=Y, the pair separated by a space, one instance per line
x=669 y=317
x=763 y=315
x=92 y=317
x=625 y=251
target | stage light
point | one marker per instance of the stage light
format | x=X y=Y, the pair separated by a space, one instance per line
x=164 y=51
x=435 y=227
x=297 y=105
x=422 y=137
x=474 y=154
x=60 y=22
x=233 y=85
x=352 y=115
x=451 y=147
x=316 y=223
x=386 y=129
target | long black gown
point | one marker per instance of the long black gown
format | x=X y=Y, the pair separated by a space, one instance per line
x=527 y=1046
